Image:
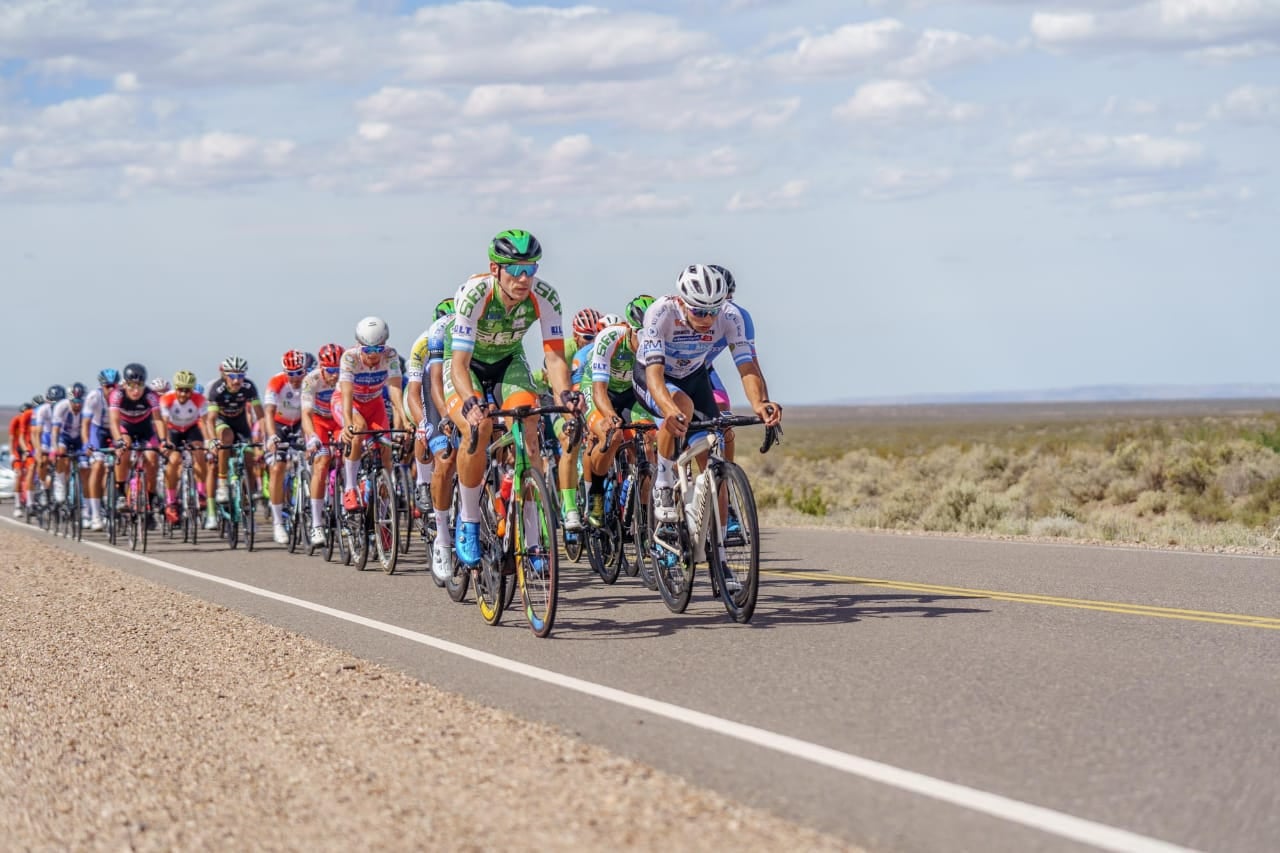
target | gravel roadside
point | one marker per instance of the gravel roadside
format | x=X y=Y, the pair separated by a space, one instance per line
x=136 y=717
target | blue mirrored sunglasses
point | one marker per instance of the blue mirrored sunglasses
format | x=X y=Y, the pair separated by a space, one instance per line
x=517 y=270
x=703 y=313
x=234 y=375
x=295 y=373
x=373 y=350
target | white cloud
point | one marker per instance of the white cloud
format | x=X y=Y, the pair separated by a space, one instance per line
x=212 y=159
x=883 y=45
x=891 y=183
x=790 y=195
x=644 y=204
x=1062 y=156
x=449 y=43
x=900 y=102
x=88 y=114
x=1164 y=25
x=1249 y=104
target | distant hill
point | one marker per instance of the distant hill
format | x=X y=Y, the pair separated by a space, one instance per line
x=1081 y=394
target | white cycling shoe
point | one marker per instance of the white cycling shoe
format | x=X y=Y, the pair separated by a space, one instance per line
x=441 y=560
x=280 y=533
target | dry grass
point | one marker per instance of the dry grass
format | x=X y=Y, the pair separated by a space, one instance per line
x=1204 y=479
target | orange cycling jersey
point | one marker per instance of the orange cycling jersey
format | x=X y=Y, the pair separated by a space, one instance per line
x=23 y=434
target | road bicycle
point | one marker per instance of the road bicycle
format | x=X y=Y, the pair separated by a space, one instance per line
x=518 y=528
x=236 y=514
x=335 y=541
x=189 y=496
x=297 y=495
x=138 y=512
x=68 y=513
x=622 y=541
x=703 y=504
x=378 y=518
x=110 y=494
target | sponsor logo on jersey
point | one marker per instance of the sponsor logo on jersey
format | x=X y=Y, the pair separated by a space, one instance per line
x=557 y=330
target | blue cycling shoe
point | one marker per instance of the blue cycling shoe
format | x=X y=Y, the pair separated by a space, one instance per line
x=467 y=546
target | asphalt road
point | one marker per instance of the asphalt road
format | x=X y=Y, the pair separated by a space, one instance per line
x=904 y=693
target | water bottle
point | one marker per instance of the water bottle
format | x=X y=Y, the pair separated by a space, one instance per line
x=626 y=492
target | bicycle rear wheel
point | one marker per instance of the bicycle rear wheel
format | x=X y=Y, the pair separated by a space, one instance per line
x=642 y=529
x=738 y=572
x=75 y=500
x=604 y=543
x=673 y=561
x=110 y=516
x=489 y=577
x=537 y=557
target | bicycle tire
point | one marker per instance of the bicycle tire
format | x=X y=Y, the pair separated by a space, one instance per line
x=575 y=541
x=742 y=551
x=405 y=506
x=385 y=521
x=190 y=507
x=75 y=499
x=538 y=565
x=460 y=578
x=602 y=550
x=489 y=578
x=674 y=574
x=642 y=530
x=358 y=529
x=248 y=523
x=109 y=508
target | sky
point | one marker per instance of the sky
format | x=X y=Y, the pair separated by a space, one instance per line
x=925 y=196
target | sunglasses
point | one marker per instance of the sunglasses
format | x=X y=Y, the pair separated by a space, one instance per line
x=703 y=313
x=518 y=270
x=332 y=371
x=373 y=350
x=187 y=391
x=294 y=374
x=233 y=375
x=133 y=384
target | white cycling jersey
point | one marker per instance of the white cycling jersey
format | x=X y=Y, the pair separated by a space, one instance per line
x=667 y=339
x=95 y=408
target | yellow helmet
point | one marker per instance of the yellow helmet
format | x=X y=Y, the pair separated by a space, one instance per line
x=184 y=380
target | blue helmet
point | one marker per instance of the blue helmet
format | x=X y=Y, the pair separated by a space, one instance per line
x=199 y=389
x=110 y=376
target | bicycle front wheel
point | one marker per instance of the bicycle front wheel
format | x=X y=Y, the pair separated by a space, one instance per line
x=489 y=577
x=75 y=500
x=537 y=557
x=460 y=577
x=736 y=563
x=642 y=530
x=247 y=522
x=386 y=521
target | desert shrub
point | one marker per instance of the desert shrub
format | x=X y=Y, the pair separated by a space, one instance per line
x=1151 y=503
x=1208 y=507
x=1055 y=525
x=1124 y=490
x=811 y=502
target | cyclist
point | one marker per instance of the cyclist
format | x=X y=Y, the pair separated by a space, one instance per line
x=133 y=416
x=611 y=399
x=367 y=369
x=185 y=414
x=586 y=323
x=232 y=398
x=435 y=465
x=319 y=428
x=41 y=423
x=20 y=445
x=671 y=378
x=64 y=439
x=160 y=385
x=283 y=411
x=485 y=349
x=95 y=433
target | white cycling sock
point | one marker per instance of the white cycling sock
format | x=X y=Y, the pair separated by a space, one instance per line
x=352 y=470
x=317 y=512
x=424 y=471
x=277 y=513
x=442 y=525
x=470 y=509
x=666 y=477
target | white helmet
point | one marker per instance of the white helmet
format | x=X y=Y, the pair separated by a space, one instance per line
x=160 y=385
x=702 y=286
x=372 y=332
x=610 y=320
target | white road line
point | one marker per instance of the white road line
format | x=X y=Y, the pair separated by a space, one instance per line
x=1045 y=820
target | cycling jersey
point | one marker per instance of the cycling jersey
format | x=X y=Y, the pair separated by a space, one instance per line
x=66 y=419
x=133 y=411
x=316 y=395
x=286 y=398
x=667 y=340
x=95 y=408
x=367 y=382
x=612 y=358
x=182 y=415
x=486 y=329
x=749 y=329
x=42 y=421
x=230 y=404
x=17 y=436
x=24 y=430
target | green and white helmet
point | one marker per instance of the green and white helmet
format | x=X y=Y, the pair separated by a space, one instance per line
x=635 y=310
x=515 y=247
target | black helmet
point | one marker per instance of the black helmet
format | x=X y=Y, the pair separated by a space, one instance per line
x=78 y=392
x=55 y=394
x=26 y=407
x=37 y=400
x=134 y=372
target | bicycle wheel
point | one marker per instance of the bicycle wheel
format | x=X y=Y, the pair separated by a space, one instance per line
x=142 y=512
x=109 y=507
x=489 y=577
x=134 y=515
x=75 y=500
x=673 y=561
x=537 y=558
x=358 y=524
x=405 y=508
x=738 y=573
x=300 y=509
x=603 y=544
x=460 y=578
x=385 y=518
x=248 y=523
x=642 y=529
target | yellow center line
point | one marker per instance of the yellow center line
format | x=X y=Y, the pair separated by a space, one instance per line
x=1240 y=619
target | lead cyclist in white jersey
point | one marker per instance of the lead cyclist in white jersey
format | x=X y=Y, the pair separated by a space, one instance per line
x=671 y=377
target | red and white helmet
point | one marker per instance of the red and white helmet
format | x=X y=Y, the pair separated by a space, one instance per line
x=330 y=355
x=293 y=360
x=586 y=322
